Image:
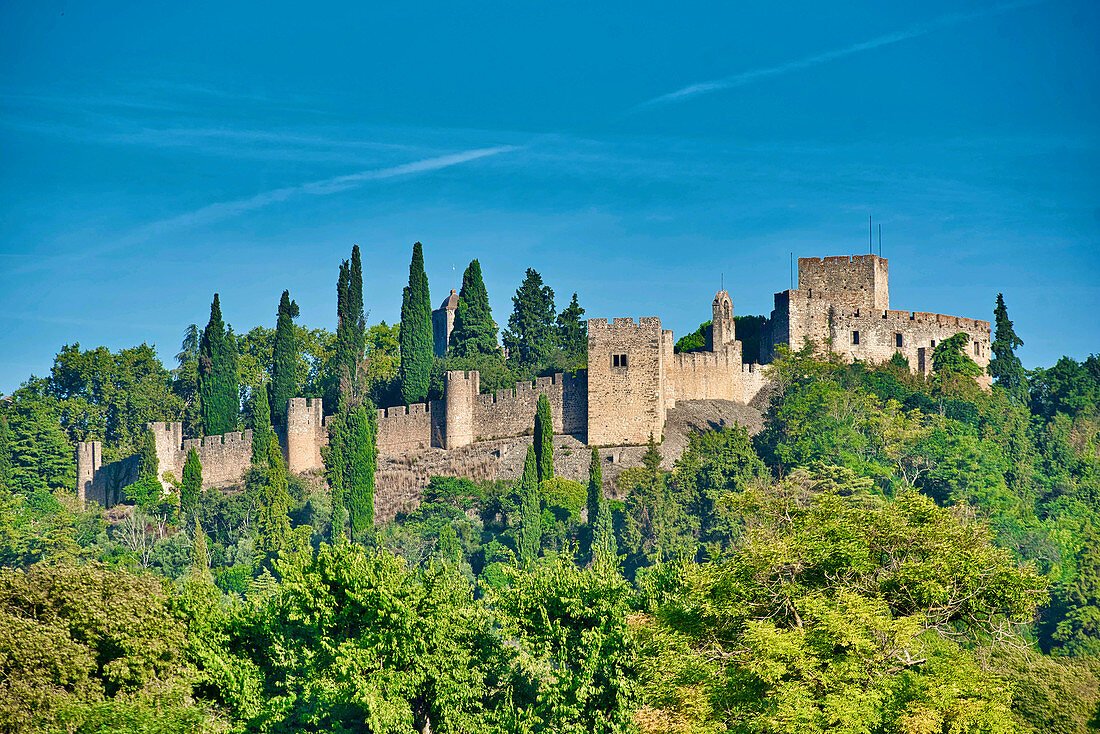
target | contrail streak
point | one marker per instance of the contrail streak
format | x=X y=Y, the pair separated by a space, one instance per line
x=747 y=77
x=226 y=209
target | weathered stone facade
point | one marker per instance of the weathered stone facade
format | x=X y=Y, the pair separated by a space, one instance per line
x=843 y=304
x=443 y=323
x=634 y=378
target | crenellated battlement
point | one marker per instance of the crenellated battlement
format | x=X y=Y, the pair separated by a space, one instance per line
x=634 y=375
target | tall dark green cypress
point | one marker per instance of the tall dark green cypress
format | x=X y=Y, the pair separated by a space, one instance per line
x=260 y=422
x=200 y=556
x=284 y=360
x=362 y=458
x=335 y=456
x=218 y=387
x=544 y=440
x=356 y=315
x=350 y=461
x=530 y=535
x=149 y=464
x=1005 y=367
x=474 y=331
x=5 y=453
x=191 y=482
x=416 y=332
x=335 y=367
x=272 y=514
x=601 y=531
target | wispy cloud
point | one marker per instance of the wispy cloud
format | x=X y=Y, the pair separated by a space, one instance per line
x=222 y=210
x=226 y=209
x=748 y=77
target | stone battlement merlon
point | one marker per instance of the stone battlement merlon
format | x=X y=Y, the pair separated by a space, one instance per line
x=645 y=323
x=902 y=318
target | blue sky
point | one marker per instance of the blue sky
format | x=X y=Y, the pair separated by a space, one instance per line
x=634 y=153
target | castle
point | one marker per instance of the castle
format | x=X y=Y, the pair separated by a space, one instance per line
x=634 y=378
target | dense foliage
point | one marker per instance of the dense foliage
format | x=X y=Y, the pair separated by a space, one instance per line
x=475 y=332
x=416 y=332
x=891 y=553
x=284 y=363
x=218 y=384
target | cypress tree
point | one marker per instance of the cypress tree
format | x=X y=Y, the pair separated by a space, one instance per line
x=284 y=360
x=474 y=331
x=544 y=440
x=335 y=456
x=530 y=511
x=218 y=388
x=272 y=515
x=5 y=453
x=573 y=330
x=200 y=557
x=262 y=435
x=1005 y=367
x=148 y=463
x=337 y=363
x=191 y=483
x=416 y=332
x=357 y=318
x=530 y=335
x=362 y=458
x=601 y=529
x=351 y=334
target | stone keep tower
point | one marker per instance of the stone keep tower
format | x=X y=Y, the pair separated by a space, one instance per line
x=860 y=281
x=443 y=323
x=304 y=434
x=626 y=401
x=722 y=330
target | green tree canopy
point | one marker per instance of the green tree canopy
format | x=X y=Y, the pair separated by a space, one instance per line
x=949 y=359
x=787 y=634
x=572 y=331
x=530 y=336
x=218 y=386
x=530 y=510
x=544 y=439
x=284 y=362
x=416 y=332
x=191 y=482
x=1005 y=367
x=474 y=331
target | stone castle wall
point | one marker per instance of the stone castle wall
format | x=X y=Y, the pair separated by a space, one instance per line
x=465 y=415
x=634 y=377
x=835 y=307
x=626 y=404
x=225 y=459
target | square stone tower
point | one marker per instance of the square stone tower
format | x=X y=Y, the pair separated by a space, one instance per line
x=626 y=402
x=859 y=281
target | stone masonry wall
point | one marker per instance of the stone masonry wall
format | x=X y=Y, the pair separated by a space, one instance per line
x=407 y=428
x=625 y=404
x=857 y=281
x=914 y=335
x=810 y=314
x=512 y=412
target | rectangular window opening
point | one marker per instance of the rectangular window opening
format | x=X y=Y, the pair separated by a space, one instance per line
x=618 y=360
x=898 y=341
x=855 y=337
